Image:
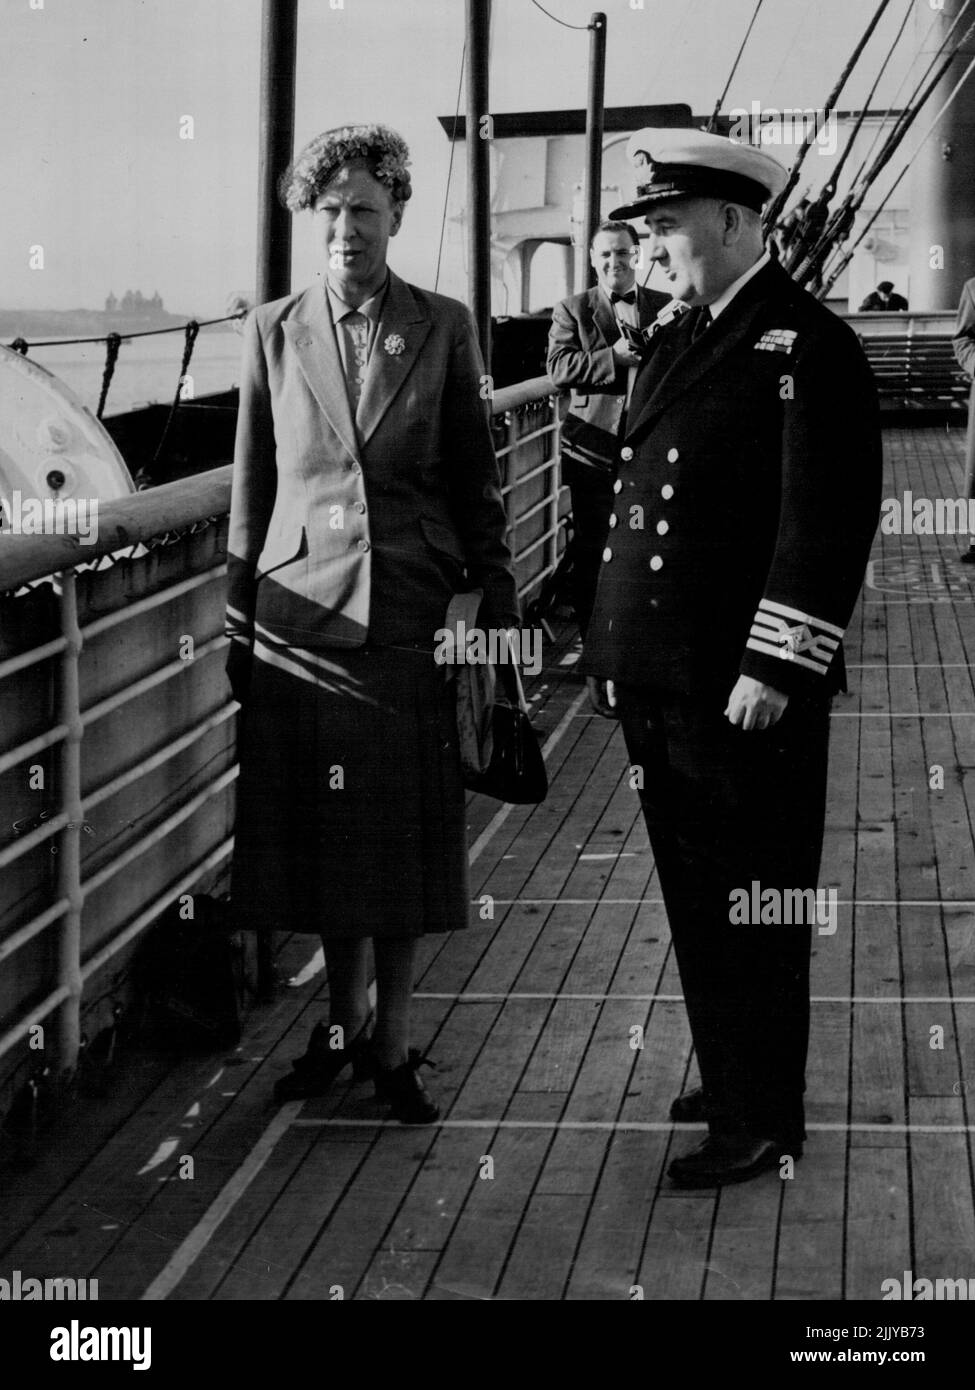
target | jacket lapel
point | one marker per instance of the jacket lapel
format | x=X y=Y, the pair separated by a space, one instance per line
x=690 y=361
x=312 y=338
x=404 y=327
x=603 y=316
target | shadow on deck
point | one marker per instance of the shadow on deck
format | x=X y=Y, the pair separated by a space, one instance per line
x=545 y=1179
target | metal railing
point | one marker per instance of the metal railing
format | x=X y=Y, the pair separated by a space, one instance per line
x=526 y=422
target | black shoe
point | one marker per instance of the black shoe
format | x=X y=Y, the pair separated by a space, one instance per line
x=729 y=1158
x=403 y=1091
x=315 y=1072
x=690 y=1108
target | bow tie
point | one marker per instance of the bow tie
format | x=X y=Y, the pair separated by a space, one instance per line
x=628 y=298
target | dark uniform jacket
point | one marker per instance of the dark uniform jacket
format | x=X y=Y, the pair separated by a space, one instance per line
x=747 y=499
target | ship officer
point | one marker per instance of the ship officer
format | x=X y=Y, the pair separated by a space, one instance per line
x=745 y=506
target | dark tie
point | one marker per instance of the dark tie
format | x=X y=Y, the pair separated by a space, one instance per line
x=702 y=322
x=628 y=298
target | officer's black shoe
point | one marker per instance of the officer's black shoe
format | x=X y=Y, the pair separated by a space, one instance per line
x=690 y=1108
x=314 y=1073
x=730 y=1158
x=403 y=1091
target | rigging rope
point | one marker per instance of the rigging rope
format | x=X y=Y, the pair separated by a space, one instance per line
x=806 y=264
x=894 y=99
x=112 y=344
x=734 y=68
x=192 y=329
x=848 y=255
x=450 y=165
x=21 y=345
x=777 y=204
x=556 y=19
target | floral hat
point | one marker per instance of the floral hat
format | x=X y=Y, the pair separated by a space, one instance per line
x=322 y=157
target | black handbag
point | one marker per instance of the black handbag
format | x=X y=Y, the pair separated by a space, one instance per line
x=516 y=772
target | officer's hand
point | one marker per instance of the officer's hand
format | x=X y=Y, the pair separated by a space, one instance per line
x=624 y=354
x=753 y=705
x=602 y=697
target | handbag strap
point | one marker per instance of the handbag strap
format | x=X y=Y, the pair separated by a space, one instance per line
x=510 y=677
x=464 y=608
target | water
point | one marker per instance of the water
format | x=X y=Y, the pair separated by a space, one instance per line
x=147 y=368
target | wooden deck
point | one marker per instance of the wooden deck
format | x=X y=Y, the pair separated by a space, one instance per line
x=545 y=1179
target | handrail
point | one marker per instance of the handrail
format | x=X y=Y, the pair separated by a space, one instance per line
x=142 y=515
x=532 y=491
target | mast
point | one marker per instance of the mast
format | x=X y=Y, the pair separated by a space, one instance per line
x=594 y=137
x=478 y=21
x=279 y=27
x=943 y=174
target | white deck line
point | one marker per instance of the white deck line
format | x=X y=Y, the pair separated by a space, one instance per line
x=638 y=902
x=619 y=1126
x=225 y=1201
x=489 y=998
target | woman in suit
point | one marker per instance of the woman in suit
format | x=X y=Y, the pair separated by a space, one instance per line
x=365 y=494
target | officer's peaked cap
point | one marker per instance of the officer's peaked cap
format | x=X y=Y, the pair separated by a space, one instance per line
x=692 y=164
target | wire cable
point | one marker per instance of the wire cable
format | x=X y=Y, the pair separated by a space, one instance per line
x=556 y=20
x=450 y=165
x=734 y=68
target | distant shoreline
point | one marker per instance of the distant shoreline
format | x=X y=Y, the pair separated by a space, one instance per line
x=40 y=324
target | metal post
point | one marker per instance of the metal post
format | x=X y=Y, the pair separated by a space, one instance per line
x=69 y=857
x=479 y=172
x=968 y=491
x=279 y=27
x=594 y=135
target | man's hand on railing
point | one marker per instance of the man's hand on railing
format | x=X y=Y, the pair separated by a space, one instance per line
x=602 y=697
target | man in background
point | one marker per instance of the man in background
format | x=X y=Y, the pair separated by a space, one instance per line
x=883 y=298
x=589 y=352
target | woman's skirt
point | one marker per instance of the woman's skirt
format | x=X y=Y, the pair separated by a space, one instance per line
x=350 y=804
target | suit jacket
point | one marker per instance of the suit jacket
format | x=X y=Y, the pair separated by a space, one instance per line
x=345 y=530
x=580 y=353
x=963 y=341
x=746 y=502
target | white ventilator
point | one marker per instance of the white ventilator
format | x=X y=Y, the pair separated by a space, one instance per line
x=51 y=446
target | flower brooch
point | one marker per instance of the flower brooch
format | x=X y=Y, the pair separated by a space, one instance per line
x=394 y=345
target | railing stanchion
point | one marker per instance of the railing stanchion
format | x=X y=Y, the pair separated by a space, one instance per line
x=69 y=857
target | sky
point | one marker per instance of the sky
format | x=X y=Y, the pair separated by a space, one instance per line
x=95 y=94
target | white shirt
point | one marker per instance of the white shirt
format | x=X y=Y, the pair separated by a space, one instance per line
x=723 y=300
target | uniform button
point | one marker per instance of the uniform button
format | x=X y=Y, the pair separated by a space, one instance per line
x=607 y=555
x=666 y=492
x=613 y=520
x=663 y=527
x=362 y=545
x=626 y=454
x=617 y=486
x=354 y=467
x=656 y=563
x=672 y=455
x=360 y=507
